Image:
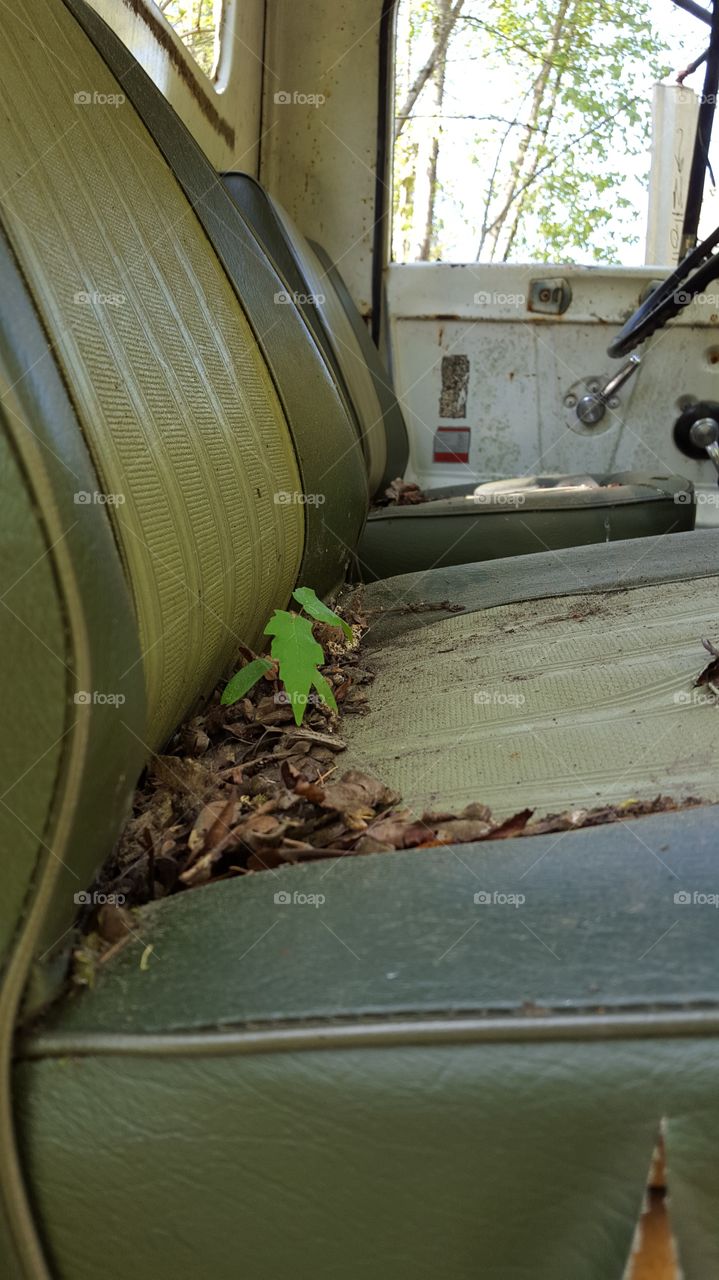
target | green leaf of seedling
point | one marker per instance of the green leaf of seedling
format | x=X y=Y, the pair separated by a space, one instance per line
x=325 y=691
x=299 y=655
x=243 y=680
x=316 y=609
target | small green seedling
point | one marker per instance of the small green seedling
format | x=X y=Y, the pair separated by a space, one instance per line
x=297 y=654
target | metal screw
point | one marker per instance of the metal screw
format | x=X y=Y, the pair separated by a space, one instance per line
x=614 y=402
x=570 y=401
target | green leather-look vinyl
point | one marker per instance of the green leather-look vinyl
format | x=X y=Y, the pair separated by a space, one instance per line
x=321 y=422
x=457 y=530
x=349 y=354
x=397 y=442
x=395 y=604
x=70 y=756
x=470 y=1089
x=175 y=401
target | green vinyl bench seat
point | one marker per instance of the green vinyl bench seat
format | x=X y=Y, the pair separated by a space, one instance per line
x=400 y=1081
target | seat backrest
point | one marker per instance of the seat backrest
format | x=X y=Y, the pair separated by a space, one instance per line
x=159 y=442
x=334 y=317
x=395 y=427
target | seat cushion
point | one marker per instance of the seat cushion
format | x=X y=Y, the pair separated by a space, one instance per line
x=478 y=523
x=453 y=1059
x=574 y=700
x=396 y=1081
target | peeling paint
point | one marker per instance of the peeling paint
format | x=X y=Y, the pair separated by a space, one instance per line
x=455 y=383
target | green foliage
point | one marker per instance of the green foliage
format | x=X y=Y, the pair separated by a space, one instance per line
x=316 y=609
x=297 y=654
x=243 y=680
x=196 y=23
x=545 y=102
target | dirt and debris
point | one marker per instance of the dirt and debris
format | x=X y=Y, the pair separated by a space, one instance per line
x=242 y=789
x=710 y=675
x=401 y=493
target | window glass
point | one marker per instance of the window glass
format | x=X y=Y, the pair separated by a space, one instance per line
x=197 y=23
x=523 y=130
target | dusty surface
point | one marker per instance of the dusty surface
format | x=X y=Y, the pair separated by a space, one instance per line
x=242 y=789
x=554 y=704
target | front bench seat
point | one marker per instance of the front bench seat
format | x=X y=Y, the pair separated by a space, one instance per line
x=232 y=1095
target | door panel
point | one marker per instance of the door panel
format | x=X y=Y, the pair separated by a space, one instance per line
x=496 y=379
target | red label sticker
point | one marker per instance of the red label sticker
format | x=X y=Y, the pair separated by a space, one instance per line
x=451 y=444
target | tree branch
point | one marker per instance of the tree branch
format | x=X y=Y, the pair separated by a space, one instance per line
x=437 y=55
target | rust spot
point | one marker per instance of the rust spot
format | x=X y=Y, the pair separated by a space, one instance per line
x=164 y=39
x=455 y=382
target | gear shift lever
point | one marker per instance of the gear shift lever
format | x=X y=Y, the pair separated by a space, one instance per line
x=704 y=434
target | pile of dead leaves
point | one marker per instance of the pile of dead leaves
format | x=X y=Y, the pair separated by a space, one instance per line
x=243 y=789
x=402 y=493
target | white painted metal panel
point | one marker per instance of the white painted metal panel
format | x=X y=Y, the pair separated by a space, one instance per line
x=523 y=366
x=318 y=159
x=222 y=115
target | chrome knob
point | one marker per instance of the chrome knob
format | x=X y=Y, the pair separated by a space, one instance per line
x=704 y=434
